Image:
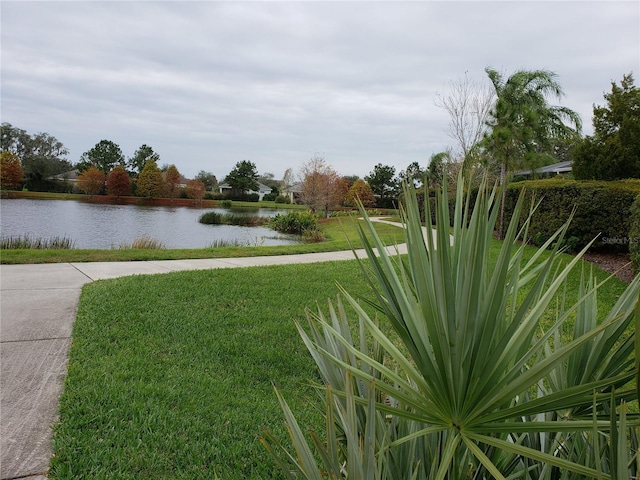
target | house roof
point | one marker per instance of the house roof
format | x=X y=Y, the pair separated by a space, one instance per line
x=557 y=168
x=261 y=187
x=68 y=175
x=295 y=188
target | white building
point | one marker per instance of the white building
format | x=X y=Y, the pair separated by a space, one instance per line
x=262 y=190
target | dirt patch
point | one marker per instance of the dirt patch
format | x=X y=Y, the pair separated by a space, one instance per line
x=618 y=264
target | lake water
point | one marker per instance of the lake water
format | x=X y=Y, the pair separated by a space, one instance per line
x=96 y=225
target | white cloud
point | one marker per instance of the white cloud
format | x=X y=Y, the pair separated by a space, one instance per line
x=208 y=84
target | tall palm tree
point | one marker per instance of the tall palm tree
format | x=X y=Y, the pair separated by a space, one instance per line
x=522 y=123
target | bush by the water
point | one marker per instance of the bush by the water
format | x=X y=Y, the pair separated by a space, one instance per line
x=15 y=242
x=242 y=197
x=294 y=222
x=215 y=218
x=282 y=199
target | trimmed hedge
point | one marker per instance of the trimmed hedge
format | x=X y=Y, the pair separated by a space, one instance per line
x=603 y=209
x=634 y=235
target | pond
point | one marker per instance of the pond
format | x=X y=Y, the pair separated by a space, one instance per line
x=104 y=226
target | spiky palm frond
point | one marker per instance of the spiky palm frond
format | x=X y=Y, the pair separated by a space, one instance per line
x=476 y=388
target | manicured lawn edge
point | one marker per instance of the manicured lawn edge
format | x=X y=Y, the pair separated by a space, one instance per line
x=170 y=376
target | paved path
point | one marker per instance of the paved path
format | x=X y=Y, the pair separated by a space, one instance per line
x=38 y=306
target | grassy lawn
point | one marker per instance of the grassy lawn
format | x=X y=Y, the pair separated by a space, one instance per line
x=170 y=376
x=338 y=232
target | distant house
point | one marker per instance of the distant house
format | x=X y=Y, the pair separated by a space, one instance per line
x=548 y=171
x=181 y=184
x=71 y=176
x=293 y=192
x=262 y=190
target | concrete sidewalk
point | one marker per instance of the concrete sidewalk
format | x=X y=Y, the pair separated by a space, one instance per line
x=38 y=306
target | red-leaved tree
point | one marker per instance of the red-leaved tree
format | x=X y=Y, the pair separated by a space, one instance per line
x=195 y=189
x=172 y=180
x=11 y=172
x=320 y=186
x=118 y=182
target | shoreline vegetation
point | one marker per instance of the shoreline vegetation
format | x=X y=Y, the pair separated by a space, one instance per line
x=340 y=233
x=154 y=202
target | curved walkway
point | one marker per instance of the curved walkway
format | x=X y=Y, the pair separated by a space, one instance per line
x=38 y=306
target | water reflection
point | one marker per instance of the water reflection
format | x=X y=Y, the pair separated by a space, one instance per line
x=94 y=225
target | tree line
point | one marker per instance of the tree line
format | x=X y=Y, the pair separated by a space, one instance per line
x=498 y=129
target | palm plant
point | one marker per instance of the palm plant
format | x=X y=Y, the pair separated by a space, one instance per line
x=470 y=384
x=522 y=124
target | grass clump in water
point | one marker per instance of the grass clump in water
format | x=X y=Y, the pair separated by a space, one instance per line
x=15 y=242
x=144 y=242
x=215 y=218
x=227 y=242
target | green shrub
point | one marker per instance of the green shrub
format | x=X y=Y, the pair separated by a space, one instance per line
x=270 y=197
x=211 y=218
x=602 y=209
x=294 y=222
x=215 y=218
x=634 y=235
x=242 y=197
x=225 y=203
x=282 y=199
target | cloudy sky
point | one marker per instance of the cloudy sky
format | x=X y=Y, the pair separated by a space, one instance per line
x=211 y=83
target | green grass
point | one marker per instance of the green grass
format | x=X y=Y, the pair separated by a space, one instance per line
x=170 y=376
x=44 y=195
x=336 y=232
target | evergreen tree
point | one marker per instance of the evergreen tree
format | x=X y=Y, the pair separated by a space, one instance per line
x=613 y=151
x=243 y=177
x=136 y=163
x=150 y=181
x=105 y=155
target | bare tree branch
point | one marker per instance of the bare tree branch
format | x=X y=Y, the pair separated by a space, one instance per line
x=468 y=105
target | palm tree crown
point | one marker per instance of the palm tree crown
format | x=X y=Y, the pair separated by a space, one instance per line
x=522 y=121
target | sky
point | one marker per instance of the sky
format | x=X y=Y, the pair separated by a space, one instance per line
x=210 y=83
